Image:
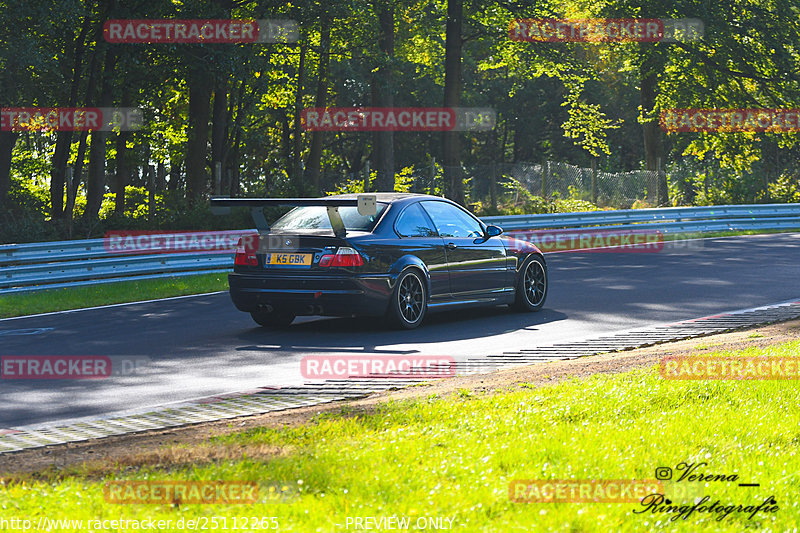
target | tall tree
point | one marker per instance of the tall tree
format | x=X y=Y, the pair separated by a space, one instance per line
x=7 y=141
x=96 y=178
x=653 y=61
x=314 y=164
x=200 y=88
x=451 y=140
x=383 y=95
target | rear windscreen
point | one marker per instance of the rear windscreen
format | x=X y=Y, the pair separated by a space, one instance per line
x=316 y=217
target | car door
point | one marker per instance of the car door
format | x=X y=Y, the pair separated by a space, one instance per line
x=477 y=263
x=418 y=237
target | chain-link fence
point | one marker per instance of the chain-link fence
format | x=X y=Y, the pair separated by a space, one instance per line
x=504 y=183
x=562 y=180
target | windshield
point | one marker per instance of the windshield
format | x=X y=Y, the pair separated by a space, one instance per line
x=316 y=217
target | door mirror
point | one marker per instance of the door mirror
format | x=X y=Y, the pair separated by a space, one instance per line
x=493 y=231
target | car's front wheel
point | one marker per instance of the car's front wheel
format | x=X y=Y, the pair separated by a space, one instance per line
x=531 y=285
x=272 y=319
x=409 y=303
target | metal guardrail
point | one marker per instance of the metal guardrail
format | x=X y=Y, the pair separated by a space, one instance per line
x=48 y=265
x=54 y=265
x=676 y=218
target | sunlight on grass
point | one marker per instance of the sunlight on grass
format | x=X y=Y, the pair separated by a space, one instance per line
x=109 y=293
x=455 y=458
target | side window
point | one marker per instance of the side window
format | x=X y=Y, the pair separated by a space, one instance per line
x=413 y=223
x=450 y=221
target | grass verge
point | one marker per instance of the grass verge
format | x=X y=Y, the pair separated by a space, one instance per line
x=45 y=301
x=454 y=457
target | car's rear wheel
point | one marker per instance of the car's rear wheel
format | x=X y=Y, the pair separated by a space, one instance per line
x=272 y=319
x=409 y=303
x=531 y=285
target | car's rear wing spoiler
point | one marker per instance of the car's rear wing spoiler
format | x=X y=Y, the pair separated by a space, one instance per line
x=366 y=203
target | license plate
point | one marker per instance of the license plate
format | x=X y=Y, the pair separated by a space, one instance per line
x=289 y=259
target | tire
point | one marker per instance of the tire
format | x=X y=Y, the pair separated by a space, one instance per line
x=531 y=285
x=409 y=301
x=273 y=319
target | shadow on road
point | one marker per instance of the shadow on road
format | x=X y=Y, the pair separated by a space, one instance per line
x=370 y=334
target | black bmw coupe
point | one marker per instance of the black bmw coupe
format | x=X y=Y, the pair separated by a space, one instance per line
x=393 y=254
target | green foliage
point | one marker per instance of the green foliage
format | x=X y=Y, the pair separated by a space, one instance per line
x=353 y=186
x=404 y=180
x=786 y=189
x=520 y=201
x=572 y=206
x=569 y=102
x=641 y=204
x=587 y=125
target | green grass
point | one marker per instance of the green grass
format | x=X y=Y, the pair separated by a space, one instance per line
x=455 y=457
x=108 y=293
x=731 y=233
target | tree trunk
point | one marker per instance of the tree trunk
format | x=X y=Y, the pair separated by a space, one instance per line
x=235 y=115
x=451 y=140
x=653 y=62
x=58 y=173
x=174 y=174
x=96 y=177
x=219 y=128
x=122 y=175
x=161 y=177
x=64 y=138
x=234 y=167
x=197 y=141
x=77 y=171
x=296 y=167
x=7 y=141
x=286 y=142
x=383 y=96
x=315 y=152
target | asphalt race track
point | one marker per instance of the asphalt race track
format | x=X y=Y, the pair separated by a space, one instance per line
x=194 y=347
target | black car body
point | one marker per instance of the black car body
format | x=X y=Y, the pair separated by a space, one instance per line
x=416 y=253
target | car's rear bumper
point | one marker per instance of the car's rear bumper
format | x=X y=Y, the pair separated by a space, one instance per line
x=334 y=295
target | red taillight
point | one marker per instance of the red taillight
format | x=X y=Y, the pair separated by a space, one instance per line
x=344 y=257
x=244 y=257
